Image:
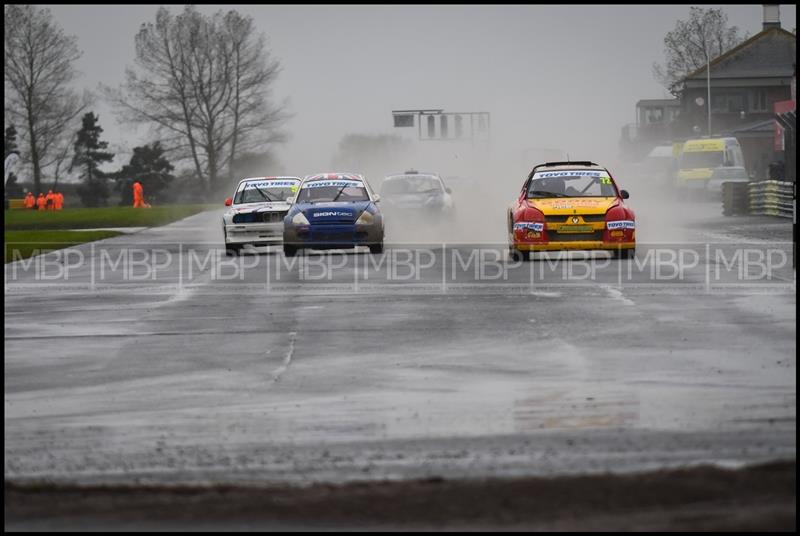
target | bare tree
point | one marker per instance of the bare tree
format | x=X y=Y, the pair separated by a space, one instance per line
x=706 y=35
x=252 y=74
x=39 y=69
x=205 y=83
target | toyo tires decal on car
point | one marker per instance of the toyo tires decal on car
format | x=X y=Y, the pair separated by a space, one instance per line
x=621 y=224
x=533 y=226
x=329 y=183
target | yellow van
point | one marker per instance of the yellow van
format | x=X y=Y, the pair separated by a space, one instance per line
x=706 y=163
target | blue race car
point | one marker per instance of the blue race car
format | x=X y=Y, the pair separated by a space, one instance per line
x=333 y=211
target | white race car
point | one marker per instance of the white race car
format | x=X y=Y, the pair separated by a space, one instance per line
x=417 y=195
x=256 y=212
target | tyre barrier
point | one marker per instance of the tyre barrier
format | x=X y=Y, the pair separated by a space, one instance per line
x=771 y=198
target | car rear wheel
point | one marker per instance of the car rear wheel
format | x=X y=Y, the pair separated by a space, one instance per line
x=232 y=250
x=289 y=251
x=517 y=255
x=628 y=253
x=376 y=249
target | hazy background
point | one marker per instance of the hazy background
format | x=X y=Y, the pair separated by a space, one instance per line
x=564 y=78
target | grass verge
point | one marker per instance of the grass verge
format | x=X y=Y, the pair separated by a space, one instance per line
x=93 y=218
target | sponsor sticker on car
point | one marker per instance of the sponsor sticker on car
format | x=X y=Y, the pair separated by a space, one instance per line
x=621 y=224
x=331 y=214
x=531 y=226
x=328 y=184
x=252 y=185
x=574 y=173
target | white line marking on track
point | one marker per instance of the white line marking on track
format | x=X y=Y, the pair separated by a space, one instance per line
x=276 y=376
x=616 y=294
x=543 y=294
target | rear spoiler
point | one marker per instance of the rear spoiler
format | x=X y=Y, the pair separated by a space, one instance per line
x=571 y=163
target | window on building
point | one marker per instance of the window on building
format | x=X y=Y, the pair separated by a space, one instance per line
x=758 y=102
x=719 y=103
x=654 y=115
x=672 y=113
x=736 y=103
x=727 y=102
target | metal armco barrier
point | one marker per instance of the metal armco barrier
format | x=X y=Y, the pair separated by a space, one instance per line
x=771 y=198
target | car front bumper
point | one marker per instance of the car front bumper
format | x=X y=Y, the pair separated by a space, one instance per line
x=333 y=236
x=548 y=238
x=254 y=233
x=581 y=245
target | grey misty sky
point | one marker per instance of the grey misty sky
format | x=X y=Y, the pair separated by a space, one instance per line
x=566 y=76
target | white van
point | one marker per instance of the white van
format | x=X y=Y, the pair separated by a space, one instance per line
x=706 y=163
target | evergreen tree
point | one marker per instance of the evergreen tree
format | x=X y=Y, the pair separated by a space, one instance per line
x=89 y=154
x=150 y=167
x=89 y=151
x=10 y=142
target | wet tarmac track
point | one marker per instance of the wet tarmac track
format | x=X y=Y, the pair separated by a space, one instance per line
x=446 y=360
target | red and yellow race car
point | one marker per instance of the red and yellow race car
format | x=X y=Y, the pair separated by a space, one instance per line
x=571 y=206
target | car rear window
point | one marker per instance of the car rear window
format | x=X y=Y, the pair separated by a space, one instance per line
x=571 y=183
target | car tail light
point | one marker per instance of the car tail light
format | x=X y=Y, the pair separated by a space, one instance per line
x=620 y=225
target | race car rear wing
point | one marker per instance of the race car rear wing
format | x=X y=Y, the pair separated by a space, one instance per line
x=572 y=163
